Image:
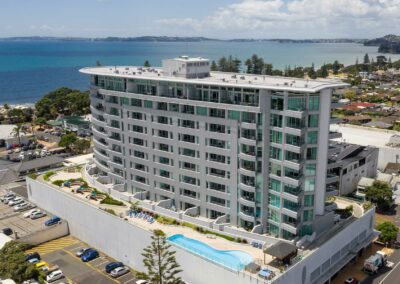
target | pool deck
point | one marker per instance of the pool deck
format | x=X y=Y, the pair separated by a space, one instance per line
x=211 y=240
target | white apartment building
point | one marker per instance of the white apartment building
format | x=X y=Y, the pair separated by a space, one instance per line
x=251 y=148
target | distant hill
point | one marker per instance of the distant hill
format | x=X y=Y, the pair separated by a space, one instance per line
x=387 y=44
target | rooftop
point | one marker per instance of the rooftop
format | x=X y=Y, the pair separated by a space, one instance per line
x=218 y=78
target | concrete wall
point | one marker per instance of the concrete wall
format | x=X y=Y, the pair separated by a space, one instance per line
x=46 y=234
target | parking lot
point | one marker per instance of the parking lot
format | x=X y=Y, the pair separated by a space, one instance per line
x=20 y=225
x=61 y=252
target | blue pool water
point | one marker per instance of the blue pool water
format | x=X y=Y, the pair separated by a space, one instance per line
x=233 y=259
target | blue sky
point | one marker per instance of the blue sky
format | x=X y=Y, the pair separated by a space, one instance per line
x=210 y=18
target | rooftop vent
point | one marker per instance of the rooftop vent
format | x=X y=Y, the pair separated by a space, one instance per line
x=286 y=84
x=234 y=77
x=242 y=78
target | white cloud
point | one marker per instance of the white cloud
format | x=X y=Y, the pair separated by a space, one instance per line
x=297 y=18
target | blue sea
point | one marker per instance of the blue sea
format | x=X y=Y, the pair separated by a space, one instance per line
x=30 y=69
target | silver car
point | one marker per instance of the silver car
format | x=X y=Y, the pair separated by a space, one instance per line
x=37 y=215
x=119 y=271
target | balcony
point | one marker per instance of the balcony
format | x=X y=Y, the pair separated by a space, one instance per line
x=247 y=187
x=248 y=201
x=299 y=113
x=101 y=153
x=246 y=217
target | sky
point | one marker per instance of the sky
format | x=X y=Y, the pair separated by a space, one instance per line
x=224 y=19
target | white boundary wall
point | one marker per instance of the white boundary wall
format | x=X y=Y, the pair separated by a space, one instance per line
x=125 y=241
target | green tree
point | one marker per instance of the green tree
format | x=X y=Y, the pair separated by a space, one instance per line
x=214 y=66
x=388 y=232
x=350 y=94
x=380 y=194
x=41 y=121
x=98 y=63
x=13 y=264
x=17 y=131
x=146 y=64
x=160 y=261
x=67 y=140
x=81 y=146
x=366 y=59
x=311 y=72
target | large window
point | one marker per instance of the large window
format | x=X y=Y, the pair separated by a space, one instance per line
x=296 y=103
x=313 y=120
x=293 y=140
x=275 y=185
x=312 y=137
x=274 y=200
x=276 y=120
x=275 y=153
x=309 y=200
x=311 y=153
x=275 y=137
x=294 y=122
x=277 y=103
x=313 y=103
x=201 y=111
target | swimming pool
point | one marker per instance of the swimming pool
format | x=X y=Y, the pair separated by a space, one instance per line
x=233 y=259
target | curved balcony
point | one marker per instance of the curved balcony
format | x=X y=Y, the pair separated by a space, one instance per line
x=97 y=152
x=99 y=133
x=247 y=157
x=248 y=188
x=249 y=203
x=247 y=172
x=98 y=122
x=96 y=110
x=102 y=167
x=246 y=217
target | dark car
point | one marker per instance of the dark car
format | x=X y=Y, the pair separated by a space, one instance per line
x=52 y=221
x=32 y=256
x=90 y=255
x=7 y=231
x=112 y=265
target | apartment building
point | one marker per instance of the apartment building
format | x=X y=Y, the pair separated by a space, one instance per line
x=347 y=164
x=250 y=148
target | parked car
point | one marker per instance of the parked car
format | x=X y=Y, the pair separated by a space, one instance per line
x=112 y=265
x=55 y=275
x=141 y=281
x=30 y=212
x=42 y=265
x=38 y=215
x=52 y=221
x=22 y=206
x=21 y=156
x=25 y=148
x=9 y=198
x=32 y=255
x=10 y=151
x=7 y=231
x=6 y=196
x=17 y=150
x=119 y=271
x=33 y=260
x=90 y=255
x=82 y=251
x=16 y=201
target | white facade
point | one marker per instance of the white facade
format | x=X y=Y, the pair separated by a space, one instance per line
x=242 y=146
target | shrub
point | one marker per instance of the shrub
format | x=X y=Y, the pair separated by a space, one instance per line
x=367 y=205
x=111 y=211
x=58 y=182
x=111 y=201
x=388 y=231
x=47 y=175
x=33 y=176
x=165 y=220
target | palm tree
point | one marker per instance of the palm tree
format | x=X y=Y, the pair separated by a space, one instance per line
x=17 y=131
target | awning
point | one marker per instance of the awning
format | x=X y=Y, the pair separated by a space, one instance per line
x=281 y=250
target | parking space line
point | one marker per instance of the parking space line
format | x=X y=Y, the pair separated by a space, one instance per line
x=130 y=280
x=101 y=263
x=94 y=268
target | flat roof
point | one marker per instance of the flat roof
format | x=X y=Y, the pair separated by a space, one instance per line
x=219 y=78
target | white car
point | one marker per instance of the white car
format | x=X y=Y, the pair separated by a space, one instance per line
x=30 y=212
x=7 y=196
x=17 y=150
x=21 y=156
x=142 y=282
x=55 y=275
x=119 y=271
x=8 y=199
x=38 y=215
x=16 y=201
x=22 y=206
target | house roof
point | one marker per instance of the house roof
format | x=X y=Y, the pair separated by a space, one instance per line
x=365 y=182
x=76 y=120
x=38 y=163
x=281 y=249
x=378 y=124
x=392 y=168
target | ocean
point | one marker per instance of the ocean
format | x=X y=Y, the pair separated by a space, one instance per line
x=30 y=69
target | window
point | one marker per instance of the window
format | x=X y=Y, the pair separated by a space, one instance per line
x=309 y=184
x=274 y=200
x=313 y=103
x=310 y=169
x=215 y=112
x=312 y=137
x=276 y=120
x=136 y=102
x=124 y=101
x=188 y=109
x=296 y=103
x=162 y=106
x=248 y=117
x=277 y=103
x=275 y=169
x=275 y=185
x=275 y=153
x=275 y=136
x=294 y=122
x=273 y=215
x=201 y=111
x=174 y=107
x=293 y=140
x=148 y=104
x=309 y=200
x=308 y=215
x=313 y=120
x=233 y=114
x=311 y=153
x=137 y=115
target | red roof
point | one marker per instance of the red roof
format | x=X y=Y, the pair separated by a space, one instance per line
x=358 y=105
